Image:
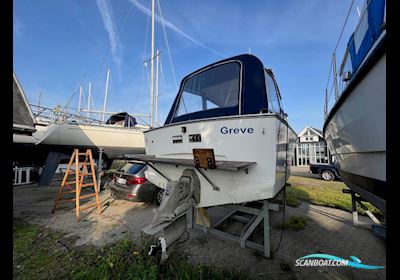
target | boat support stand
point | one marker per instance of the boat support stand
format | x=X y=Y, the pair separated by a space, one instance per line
x=260 y=213
x=377 y=228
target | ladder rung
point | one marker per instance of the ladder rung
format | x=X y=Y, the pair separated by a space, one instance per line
x=81 y=197
x=83 y=185
x=70 y=182
x=83 y=174
x=83 y=154
x=87 y=195
x=87 y=185
x=87 y=206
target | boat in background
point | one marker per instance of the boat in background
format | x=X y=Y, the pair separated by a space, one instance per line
x=355 y=126
x=118 y=136
x=26 y=132
x=23 y=120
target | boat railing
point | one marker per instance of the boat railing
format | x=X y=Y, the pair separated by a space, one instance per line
x=57 y=116
x=339 y=78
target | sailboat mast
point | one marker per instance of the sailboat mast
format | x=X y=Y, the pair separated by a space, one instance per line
x=40 y=97
x=152 y=66
x=80 y=100
x=105 y=94
x=88 y=102
x=156 y=95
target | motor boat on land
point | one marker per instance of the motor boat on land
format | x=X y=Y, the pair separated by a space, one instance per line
x=232 y=112
x=355 y=126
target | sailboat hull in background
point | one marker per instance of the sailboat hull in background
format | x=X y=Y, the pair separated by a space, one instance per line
x=116 y=141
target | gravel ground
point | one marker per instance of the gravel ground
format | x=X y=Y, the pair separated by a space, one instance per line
x=328 y=231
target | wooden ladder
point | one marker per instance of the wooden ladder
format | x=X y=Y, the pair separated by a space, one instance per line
x=81 y=170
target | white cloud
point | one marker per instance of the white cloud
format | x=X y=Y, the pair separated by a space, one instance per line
x=173 y=27
x=17 y=28
x=109 y=24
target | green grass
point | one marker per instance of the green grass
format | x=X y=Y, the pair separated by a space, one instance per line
x=325 y=193
x=294 y=223
x=37 y=254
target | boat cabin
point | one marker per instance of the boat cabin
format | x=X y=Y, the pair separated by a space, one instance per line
x=122 y=119
x=239 y=85
x=370 y=27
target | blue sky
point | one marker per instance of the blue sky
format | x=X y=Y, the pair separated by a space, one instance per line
x=59 y=44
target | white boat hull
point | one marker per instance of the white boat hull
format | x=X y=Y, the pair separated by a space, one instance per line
x=356 y=133
x=253 y=138
x=116 y=141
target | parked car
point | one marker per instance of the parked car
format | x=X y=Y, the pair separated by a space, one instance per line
x=130 y=183
x=327 y=172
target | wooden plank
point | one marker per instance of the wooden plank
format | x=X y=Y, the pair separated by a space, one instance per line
x=220 y=164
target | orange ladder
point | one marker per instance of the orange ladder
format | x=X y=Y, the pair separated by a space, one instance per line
x=81 y=170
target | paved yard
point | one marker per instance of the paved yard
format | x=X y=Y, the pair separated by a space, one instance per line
x=329 y=231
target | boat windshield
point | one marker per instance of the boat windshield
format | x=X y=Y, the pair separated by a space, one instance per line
x=209 y=93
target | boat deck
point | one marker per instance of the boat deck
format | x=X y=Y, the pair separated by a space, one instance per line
x=220 y=164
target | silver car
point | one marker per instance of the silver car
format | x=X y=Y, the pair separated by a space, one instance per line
x=130 y=183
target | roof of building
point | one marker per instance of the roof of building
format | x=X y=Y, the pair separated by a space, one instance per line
x=316 y=131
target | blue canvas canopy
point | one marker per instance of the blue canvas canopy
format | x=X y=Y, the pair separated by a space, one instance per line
x=129 y=121
x=368 y=31
x=251 y=90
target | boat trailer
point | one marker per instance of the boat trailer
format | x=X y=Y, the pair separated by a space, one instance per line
x=177 y=210
x=259 y=210
x=377 y=228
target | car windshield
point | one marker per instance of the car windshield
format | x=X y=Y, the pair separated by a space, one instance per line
x=131 y=168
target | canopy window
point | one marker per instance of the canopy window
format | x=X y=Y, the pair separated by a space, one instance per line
x=272 y=94
x=215 y=88
x=232 y=87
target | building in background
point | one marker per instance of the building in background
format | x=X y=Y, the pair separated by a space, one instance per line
x=310 y=148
